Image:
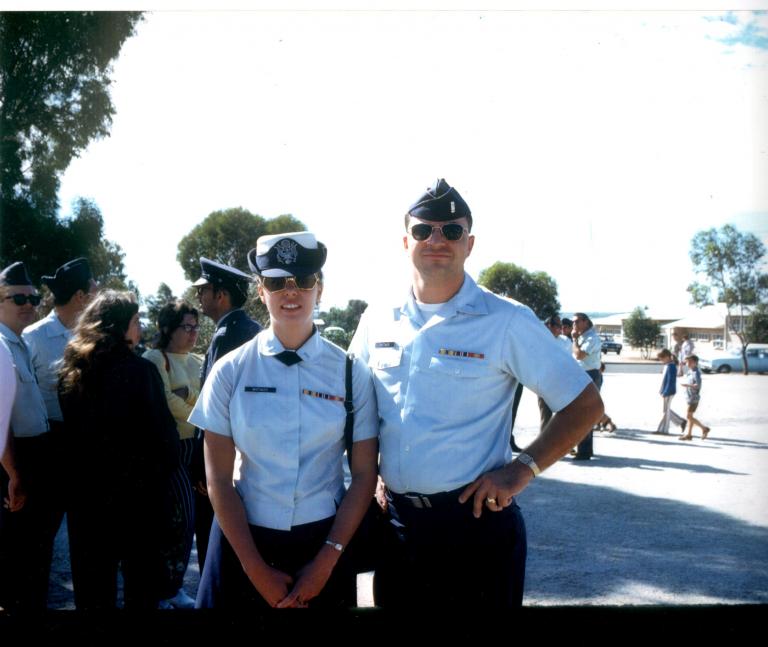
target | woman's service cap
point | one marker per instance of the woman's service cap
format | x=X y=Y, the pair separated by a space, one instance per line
x=292 y=254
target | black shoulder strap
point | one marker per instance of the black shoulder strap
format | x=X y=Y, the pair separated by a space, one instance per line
x=350 y=422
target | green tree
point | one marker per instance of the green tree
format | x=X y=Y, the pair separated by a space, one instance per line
x=344 y=318
x=730 y=263
x=640 y=331
x=227 y=236
x=757 y=325
x=54 y=82
x=537 y=290
x=54 y=99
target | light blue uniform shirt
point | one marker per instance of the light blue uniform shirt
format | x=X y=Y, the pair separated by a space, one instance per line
x=287 y=423
x=46 y=340
x=591 y=344
x=28 y=416
x=445 y=387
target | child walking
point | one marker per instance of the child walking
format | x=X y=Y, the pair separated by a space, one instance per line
x=693 y=396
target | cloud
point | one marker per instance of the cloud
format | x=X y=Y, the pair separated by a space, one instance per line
x=744 y=28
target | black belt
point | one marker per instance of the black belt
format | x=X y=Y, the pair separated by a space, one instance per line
x=426 y=501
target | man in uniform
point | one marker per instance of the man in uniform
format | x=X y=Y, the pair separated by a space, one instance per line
x=73 y=288
x=446 y=363
x=222 y=291
x=28 y=516
x=587 y=349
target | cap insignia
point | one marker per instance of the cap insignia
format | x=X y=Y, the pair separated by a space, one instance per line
x=287 y=251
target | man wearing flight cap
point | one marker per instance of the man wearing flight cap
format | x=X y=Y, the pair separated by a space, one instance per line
x=222 y=291
x=28 y=519
x=446 y=362
x=73 y=288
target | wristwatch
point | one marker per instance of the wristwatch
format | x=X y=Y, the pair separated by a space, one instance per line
x=335 y=545
x=527 y=459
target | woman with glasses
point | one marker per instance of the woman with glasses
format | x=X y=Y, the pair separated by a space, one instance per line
x=179 y=369
x=284 y=518
x=121 y=449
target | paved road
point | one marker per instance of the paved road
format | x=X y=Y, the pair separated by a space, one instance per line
x=651 y=520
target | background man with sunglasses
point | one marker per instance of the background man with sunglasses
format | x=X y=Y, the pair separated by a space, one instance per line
x=28 y=516
x=222 y=291
x=446 y=363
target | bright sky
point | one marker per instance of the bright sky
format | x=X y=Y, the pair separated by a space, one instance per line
x=592 y=145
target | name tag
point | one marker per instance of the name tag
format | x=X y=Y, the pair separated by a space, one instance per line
x=322 y=396
x=461 y=353
x=260 y=389
x=385 y=344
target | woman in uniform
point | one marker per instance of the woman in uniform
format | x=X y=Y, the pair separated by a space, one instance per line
x=283 y=518
x=179 y=369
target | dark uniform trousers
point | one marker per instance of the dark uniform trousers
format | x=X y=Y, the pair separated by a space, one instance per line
x=224 y=584
x=447 y=558
x=584 y=448
x=27 y=536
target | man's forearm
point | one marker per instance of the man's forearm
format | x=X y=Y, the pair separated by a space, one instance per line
x=567 y=428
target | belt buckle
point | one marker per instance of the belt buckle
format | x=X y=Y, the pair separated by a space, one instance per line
x=418 y=501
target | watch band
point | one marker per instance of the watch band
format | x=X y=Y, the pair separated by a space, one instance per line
x=527 y=459
x=335 y=545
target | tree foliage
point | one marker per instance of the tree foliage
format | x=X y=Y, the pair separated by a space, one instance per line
x=54 y=81
x=537 y=290
x=640 y=331
x=730 y=262
x=227 y=236
x=345 y=318
x=54 y=99
x=757 y=325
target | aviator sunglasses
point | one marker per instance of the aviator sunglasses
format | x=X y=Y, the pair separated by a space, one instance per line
x=451 y=231
x=21 y=299
x=277 y=283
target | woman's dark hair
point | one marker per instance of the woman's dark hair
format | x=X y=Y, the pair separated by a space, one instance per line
x=169 y=319
x=99 y=333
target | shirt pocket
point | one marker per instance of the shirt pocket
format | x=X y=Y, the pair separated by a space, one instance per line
x=458 y=367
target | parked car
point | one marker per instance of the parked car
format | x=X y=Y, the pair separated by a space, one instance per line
x=757 y=361
x=610 y=346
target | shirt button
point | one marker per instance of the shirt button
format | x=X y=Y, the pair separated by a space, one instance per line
x=407 y=448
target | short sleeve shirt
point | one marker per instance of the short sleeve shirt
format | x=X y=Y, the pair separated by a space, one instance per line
x=591 y=344
x=445 y=386
x=46 y=340
x=28 y=415
x=287 y=423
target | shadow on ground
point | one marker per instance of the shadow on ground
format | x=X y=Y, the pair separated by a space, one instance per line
x=588 y=544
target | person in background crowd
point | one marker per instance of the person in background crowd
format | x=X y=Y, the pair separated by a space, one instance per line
x=29 y=483
x=73 y=287
x=446 y=361
x=586 y=348
x=605 y=423
x=7 y=396
x=122 y=448
x=222 y=291
x=283 y=522
x=180 y=371
x=693 y=397
x=567 y=331
x=667 y=392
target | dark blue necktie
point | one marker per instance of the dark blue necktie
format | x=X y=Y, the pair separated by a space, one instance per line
x=288 y=357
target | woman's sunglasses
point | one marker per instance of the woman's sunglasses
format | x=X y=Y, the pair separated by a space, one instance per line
x=451 y=231
x=277 y=283
x=21 y=299
x=190 y=327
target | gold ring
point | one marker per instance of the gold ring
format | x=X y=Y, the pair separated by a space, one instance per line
x=490 y=500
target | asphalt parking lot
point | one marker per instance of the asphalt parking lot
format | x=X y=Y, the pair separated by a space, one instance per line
x=651 y=520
